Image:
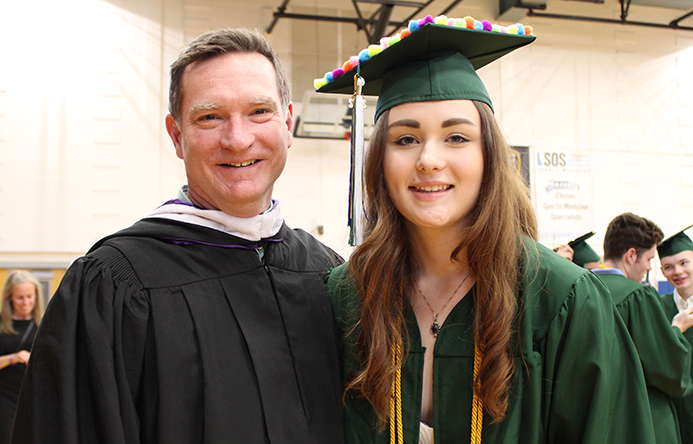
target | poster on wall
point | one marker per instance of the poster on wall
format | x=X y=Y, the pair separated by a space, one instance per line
x=562 y=194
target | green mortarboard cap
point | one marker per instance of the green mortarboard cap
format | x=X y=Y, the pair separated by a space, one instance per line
x=582 y=252
x=675 y=244
x=434 y=62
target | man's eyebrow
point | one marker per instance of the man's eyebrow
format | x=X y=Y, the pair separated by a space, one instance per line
x=456 y=121
x=202 y=106
x=211 y=106
x=264 y=100
x=405 y=122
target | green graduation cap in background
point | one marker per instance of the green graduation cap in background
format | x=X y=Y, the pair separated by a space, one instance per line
x=582 y=252
x=434 y=59
x=675 y=244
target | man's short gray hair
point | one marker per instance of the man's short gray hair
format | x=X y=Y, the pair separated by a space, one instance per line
x=216 y=43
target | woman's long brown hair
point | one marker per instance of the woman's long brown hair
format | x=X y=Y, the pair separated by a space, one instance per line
x=383 y=266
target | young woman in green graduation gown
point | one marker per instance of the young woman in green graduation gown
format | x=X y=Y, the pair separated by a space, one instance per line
x=458 y=326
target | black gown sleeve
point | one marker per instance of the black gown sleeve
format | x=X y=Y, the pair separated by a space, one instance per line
x=79 y=386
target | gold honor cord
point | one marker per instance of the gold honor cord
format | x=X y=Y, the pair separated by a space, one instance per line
x=477 y=405
x=396 y=434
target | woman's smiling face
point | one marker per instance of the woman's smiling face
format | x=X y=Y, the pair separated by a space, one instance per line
x=434 y=162
x=23 y=300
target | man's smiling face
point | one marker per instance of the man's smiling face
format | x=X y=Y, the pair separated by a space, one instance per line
x=233 y=134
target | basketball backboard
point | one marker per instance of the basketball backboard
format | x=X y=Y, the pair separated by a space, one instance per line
x=328 y=116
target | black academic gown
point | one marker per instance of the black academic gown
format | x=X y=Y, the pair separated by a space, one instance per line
x=170 y=333
x=12 y=375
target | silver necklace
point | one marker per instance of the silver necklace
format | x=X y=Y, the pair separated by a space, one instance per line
x=435 y=326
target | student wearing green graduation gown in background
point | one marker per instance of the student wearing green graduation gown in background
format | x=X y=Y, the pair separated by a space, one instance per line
x=579 y=252
x=676 y=258
x=458 y=326
x=629 y=246
x=584 y=255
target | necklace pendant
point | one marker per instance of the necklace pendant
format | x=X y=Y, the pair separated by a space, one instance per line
x=435 y=327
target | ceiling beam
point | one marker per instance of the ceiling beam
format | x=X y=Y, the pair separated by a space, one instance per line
x=396 y=3
x=675 y=23
x=275 y=18
x=624 y=9
x=320 y=18
x=672 y=25
x=385 y=13
x=375 y=26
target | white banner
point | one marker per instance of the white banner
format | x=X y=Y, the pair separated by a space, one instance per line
x=562 y=188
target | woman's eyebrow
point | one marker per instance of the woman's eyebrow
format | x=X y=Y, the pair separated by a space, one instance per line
x=405 y=122
x=456 y=121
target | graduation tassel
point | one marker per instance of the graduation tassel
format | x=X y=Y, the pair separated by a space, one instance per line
x=356 y=209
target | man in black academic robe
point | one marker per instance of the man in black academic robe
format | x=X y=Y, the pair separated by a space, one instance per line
x=207 y=321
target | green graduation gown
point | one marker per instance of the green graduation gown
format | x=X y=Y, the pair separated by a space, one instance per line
x=664 y=352
x=577 y=377
x=683 y=406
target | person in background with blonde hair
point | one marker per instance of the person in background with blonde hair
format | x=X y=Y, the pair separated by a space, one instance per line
x=457 y=325
x=22 y=309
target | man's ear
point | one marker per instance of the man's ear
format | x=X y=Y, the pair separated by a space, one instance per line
x=175 y=134
x=631 y=256
x=290 y=123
